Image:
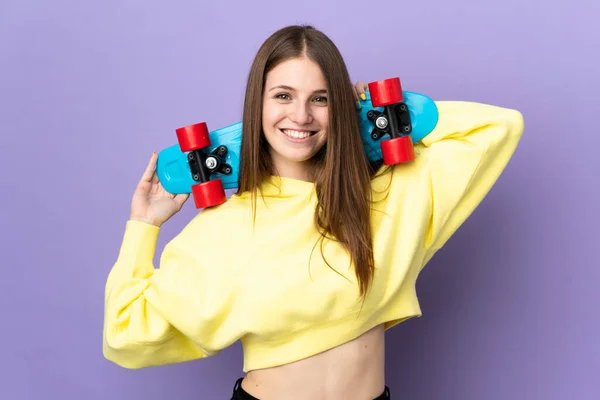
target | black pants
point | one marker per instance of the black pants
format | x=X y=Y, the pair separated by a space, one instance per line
x=241 y=394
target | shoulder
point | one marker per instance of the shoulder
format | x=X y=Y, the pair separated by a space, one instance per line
x=223 y=216
x=209 y=237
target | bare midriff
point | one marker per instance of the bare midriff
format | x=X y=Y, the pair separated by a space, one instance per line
x=351 y=371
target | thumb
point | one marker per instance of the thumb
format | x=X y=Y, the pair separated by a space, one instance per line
x=181 y=198
x=150 y=168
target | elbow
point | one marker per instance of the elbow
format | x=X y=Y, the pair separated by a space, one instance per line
x=509 y=120
x=132 y=354
x=128 y=347
x=513 y=126
x=515 y=122
x=123 y=353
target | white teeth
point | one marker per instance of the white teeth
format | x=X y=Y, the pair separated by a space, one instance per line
x=296 y=134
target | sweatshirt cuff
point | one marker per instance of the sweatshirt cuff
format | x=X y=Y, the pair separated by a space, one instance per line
x=139 y=243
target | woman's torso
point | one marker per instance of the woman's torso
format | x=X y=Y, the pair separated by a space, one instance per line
x=351 y=371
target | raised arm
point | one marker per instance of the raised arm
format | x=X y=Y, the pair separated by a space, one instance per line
x=156 y=316
x=464 y=156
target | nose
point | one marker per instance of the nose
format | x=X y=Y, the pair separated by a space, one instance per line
x=301 y=114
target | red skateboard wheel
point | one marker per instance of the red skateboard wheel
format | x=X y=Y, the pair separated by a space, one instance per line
x=386 y=92
x=209 y=194
x=193 y=137
x=398 y=150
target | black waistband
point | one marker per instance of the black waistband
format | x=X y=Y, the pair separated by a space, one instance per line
x=240 y=394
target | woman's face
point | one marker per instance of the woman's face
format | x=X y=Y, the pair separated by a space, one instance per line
x=295 y=115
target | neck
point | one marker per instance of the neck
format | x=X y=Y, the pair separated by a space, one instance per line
x=291 y=169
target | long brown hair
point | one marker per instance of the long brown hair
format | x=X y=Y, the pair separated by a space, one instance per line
x=341 y=171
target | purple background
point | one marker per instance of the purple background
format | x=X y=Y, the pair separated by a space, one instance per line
x=511 y=304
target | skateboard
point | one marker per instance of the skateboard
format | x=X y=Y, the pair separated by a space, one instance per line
x=205 y=163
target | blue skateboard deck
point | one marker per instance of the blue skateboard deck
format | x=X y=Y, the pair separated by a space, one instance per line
x=205 y=163
x=174 y=171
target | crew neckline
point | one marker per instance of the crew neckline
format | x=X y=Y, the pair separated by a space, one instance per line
x=281 y=186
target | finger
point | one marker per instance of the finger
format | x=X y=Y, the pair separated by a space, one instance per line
x=361 y=87
x=149 y=172
x=181 y=198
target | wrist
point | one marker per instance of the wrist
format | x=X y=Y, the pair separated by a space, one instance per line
x=145 y=220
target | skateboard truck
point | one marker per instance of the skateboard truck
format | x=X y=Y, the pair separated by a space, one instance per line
x=395 y=127
x=394 y=120
x=207 y=192
x=202 y=165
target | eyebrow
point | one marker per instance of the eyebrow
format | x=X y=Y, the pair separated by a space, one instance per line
x=284 y=87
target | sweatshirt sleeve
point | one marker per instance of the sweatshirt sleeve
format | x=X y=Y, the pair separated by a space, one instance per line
x=464 y=156
x=147 y=310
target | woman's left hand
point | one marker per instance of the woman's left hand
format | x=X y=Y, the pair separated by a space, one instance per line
x=359 y=90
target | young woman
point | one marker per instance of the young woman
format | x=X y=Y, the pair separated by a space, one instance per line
x=318 y=252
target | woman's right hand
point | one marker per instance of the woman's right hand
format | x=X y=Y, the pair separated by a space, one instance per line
x=151 y=203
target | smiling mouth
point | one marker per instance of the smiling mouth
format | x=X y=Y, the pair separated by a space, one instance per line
x=296 y=134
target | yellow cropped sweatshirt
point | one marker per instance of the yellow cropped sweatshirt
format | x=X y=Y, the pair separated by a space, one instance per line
x=221 y=279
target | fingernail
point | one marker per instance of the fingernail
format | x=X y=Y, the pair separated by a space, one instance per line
x=363 y=96
x=358 y=105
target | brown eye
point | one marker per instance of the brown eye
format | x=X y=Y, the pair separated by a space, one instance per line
x=282 y=96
